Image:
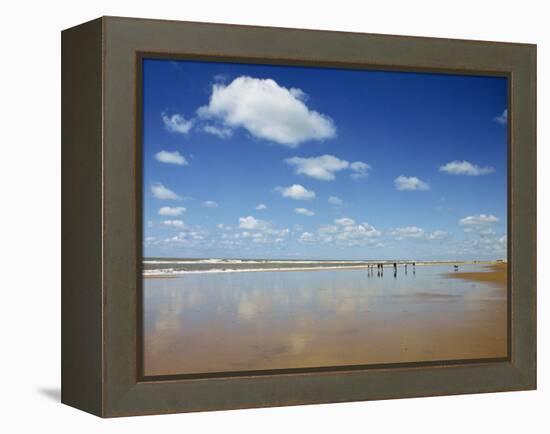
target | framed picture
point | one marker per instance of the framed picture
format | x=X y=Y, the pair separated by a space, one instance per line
x=261 y=216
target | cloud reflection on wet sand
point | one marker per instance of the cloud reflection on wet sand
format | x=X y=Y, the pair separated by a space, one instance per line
x=275 y=320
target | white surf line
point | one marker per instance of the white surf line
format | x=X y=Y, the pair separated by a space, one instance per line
x=248 y=261
x=159 y=273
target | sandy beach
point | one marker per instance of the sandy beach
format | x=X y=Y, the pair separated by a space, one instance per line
x=496 y=274
x=271 y=320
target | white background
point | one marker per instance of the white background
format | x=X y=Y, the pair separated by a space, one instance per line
x=30 y=214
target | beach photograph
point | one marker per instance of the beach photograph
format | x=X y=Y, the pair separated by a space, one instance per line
x=300 y=218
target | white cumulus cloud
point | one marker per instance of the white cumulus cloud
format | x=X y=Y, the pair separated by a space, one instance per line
x=297 y=192
x=261 y=207
x=344 y=221
x=177 y=123
x=479 y=220
x=465 y=168
x=346 y=232
x=171 y=158
x=250 y=223
x=172 y=211
x=161 y=192
x=261 y=232
x=322 y=168
x=353 y=234
x=412 y=183
x=267 y=111
x=304 y=211
x=325 y=167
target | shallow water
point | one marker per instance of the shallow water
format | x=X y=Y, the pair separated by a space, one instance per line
x=274 y=320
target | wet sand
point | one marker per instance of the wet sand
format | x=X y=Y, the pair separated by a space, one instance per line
x=496 y=274
x=274 y=320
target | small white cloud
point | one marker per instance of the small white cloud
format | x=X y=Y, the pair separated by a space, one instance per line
x=412 y=183
x=480 y=220
x=346 y=232
x=322 y=168
x=177 y=123
x=249 y=223
x=161 y=192
x=297 y=192
x=465 y=168
x=344 y=221
x=261 y=207
x=172 y=211
x=304 y=211
x=267 y=111
x=210 y=204
x=360 y=169
x=353 y=234
x=503 y=118
x=221 y=132
x=259 y=231
x=175 y=224
x=335 y=200
x=171 y=158
x=325 y=167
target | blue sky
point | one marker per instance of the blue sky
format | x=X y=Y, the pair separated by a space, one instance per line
x=249 y=161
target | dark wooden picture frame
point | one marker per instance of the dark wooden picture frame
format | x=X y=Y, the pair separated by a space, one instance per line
x=101 y=228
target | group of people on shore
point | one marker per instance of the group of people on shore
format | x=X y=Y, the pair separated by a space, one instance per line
x=380 y=268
